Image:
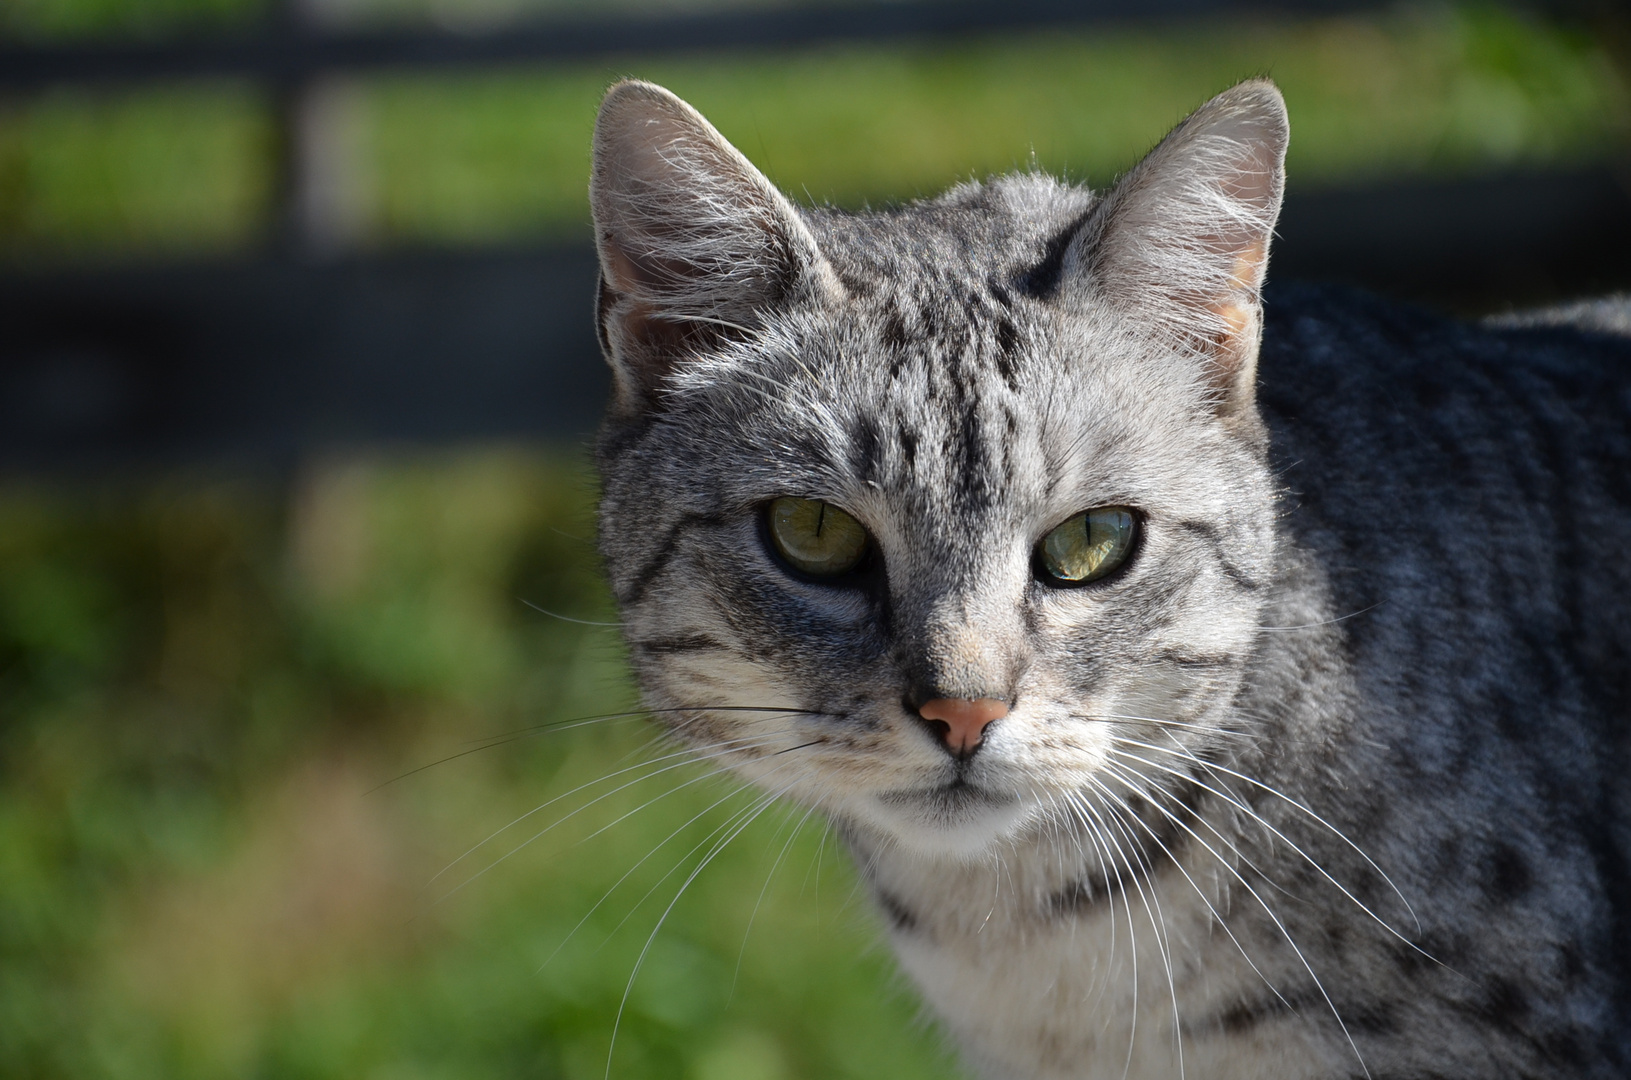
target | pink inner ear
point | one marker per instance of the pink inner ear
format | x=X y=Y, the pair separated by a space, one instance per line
x=1238 y=301
x=620 y=274
x=1236 y=312
x=1236 y=319
x=1247 y=274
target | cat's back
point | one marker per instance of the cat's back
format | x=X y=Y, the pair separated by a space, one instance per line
x=1452 y=475
x=1465 y=491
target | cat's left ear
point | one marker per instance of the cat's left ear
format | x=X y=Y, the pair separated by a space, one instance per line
x=696 y=247
x=1183 y=240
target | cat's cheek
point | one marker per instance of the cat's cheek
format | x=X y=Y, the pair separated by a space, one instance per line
x=1160 y=694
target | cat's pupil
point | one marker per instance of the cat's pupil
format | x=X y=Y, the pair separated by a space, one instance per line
x=815 y=537
x=1087 y=547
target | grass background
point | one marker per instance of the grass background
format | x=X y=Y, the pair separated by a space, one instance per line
x=204 y=682
x=206 y=676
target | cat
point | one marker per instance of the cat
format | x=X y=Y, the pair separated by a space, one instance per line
x=1203 y=688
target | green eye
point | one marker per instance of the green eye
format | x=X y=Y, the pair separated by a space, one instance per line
x=1088 y=546
x=816 y=537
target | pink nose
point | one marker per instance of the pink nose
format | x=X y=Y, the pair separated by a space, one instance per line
x=964 y=721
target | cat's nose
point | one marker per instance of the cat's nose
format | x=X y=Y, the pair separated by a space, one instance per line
x=960 y=722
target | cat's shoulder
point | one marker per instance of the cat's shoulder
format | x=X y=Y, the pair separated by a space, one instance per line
x=1420 y=453
x=1355 y=358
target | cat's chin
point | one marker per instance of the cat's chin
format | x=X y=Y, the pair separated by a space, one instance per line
x=957 y=822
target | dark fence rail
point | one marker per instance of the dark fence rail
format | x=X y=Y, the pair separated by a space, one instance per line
x=271 y=359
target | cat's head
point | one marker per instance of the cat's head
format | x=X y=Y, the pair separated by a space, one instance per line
x=914 y=515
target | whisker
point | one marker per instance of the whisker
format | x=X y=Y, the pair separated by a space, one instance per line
x=776 y=710
x=1184 y=725
x=1101 y=842
x=1110 y=889
x=1267 y=910
x=736 y=974
x=766 y=802
x=1157 y=926
x=491 y=742
x=1225 y=794
x=1216 y=767
x=711 y=774
x=607 y=895
x=707 y=839
x=564 y=618
x=1120 y=813
x=1251 y=812
x=678 y=756
x=677 y=759
x=1173 y=859
x=1179 y=750
x=1327 y=622
x=570 y=536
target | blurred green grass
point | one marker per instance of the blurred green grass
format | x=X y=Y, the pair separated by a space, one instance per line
x=176 y=169
x=68 y=20
x=1436 y=91
x=202 y=684
x=503 y=157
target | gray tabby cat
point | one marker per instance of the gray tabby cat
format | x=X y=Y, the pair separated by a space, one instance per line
x=1188 y=711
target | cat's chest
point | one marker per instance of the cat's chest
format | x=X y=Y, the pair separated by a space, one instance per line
x=1038 y=980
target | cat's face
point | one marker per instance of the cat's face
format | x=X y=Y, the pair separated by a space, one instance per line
x=963 y=379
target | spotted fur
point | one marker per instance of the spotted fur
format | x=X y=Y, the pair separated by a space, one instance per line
x=1330 y=780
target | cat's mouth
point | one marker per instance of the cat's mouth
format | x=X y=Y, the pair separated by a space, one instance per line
x=957 y=818
x=958 y=798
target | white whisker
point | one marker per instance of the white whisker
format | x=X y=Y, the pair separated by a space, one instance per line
x=1173 y=859
x=1326 y=622
x=1251 y=812
x=762 y=805
x=736 y=973
x=1215 y=767
x=677 y=759
x=1136 y=871
x=565 y=618
x=1269 y=911
x=607 y=895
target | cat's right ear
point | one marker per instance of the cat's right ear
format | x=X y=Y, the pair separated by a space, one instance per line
x=1182 y=242
x=695 y=245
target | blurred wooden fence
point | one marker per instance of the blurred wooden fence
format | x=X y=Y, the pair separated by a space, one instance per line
x=302 y=346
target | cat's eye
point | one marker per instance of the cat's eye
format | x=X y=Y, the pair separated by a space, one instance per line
x=816 y=537
x=1089 y=546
